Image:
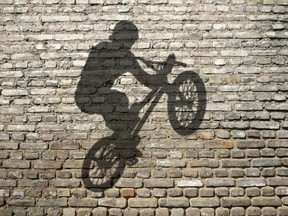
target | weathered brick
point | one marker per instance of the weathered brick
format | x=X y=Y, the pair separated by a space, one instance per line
x=235 y=163
x=266 y=201
x=266 y=162
x=142 y=202
x=14 y=92
x=112 y=202
x=132 y=183
x=65 y=145
x=8 y=145
x=16 y=164
x=189 y=183
x=84 y=202
x=17 y=128
x=243 y=144
x=251 y=182
x=70 y=183
x=204 y=202
x=277 y=181
x=21 y=202
x=171 y=163
x=204 y=163
x=221 y=182
x=156 y=183
x=174 y=202
x=281 y=191
x=219 y=144
x=48 y=165
x=52 y=202
x=235 y=201
x=277 y=143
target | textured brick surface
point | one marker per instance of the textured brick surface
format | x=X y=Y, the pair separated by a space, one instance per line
x=234 y=164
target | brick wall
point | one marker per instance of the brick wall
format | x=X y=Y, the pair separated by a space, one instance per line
x=235 y=163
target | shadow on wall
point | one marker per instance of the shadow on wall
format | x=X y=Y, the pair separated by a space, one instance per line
x=108 y=157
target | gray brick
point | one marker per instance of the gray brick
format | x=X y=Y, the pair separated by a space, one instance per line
x=174 y=202
x=113 y=202
x=132 y=183
x=204 y=202
x=266 y=201
x=235 y=163
x=250 y=144
x=221 y=182
x=21 y=202
x=266 y=162
x=235 y=201
x=84 y=202
x=251 y=182
x=52 y=202
x=157 y=183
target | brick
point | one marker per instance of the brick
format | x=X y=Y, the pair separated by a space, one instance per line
x=65 y=145
x=266 y=201
x=48 y=165
x=132 y=183
x=69 y=183
x=235 y=201
x=52 y=202
x=204 y=202
x=250 y=144
x=251 y=182
x=8 y=183
x=159 y=145
x=25 y=128
x=8 y=145
x=234 y=53
x=220 y=182
x=265 y=162
x=142 y=202
x=84 y=202
x=277 y=144
x=219 y=144
x=265 y=125
x=171 y=163
x=248 y=106
x=235 y=163
x=127 y=192
x=204 y=163
x=14 y=92
x=21 y=202
x=174 y=202
x=112 y=202
x=281 y=191
x=190 y=145
x=34 y=146
x=189 y=183
x=277 y=181
x=156 y=183
x=16 y=164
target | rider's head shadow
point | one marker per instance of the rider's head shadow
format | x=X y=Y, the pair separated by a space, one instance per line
x=126 y=33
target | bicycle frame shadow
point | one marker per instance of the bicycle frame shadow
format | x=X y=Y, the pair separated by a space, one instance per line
x=106 y=160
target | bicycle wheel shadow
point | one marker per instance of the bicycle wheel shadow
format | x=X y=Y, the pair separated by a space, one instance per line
x=106 y=160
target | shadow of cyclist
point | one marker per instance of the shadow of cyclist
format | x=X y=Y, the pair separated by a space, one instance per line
x=94 y=95
x=107 y=158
